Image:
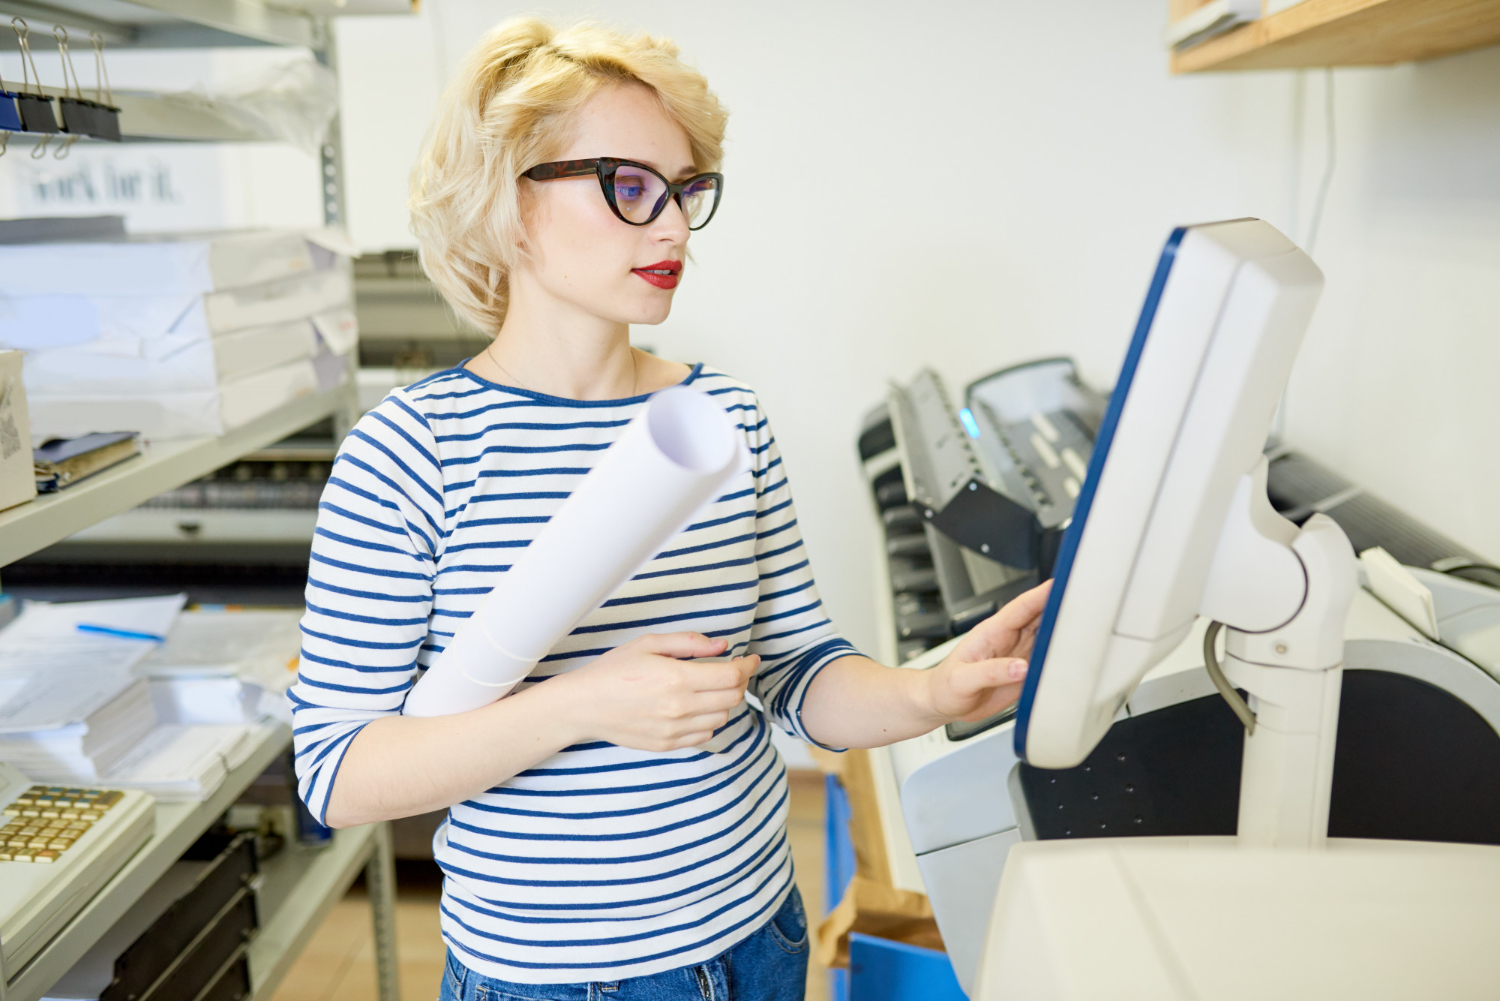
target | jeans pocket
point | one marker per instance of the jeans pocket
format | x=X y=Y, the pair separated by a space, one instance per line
x=454 y=975
x=788 y=926
x=494 y=992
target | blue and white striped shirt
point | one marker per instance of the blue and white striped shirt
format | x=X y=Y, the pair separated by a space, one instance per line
x=602 y=863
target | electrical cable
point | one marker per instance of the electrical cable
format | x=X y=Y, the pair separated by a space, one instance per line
x=1317 y=213
x=1216 y=674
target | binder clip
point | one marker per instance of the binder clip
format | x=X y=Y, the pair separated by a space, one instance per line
x=106 y=115
x=35 y=110
x=79 y=116
x=10 y=114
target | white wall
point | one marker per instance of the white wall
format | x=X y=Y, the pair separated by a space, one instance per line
x=984 y=182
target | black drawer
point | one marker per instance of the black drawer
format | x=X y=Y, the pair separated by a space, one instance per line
x=232 y=983
x=221 y=894
x=197 y=968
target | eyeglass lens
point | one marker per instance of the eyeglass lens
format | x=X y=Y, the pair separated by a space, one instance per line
x=640 y=194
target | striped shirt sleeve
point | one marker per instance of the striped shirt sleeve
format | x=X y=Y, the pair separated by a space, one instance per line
x=792 y=633
x=369 y=589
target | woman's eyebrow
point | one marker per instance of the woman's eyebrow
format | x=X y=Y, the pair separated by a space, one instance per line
x=682 y=174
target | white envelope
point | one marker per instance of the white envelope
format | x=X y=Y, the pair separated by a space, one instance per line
x=255 y=349
x=121 y=326
x=188 y=263
x=278 y=301
x=114 y=325
x=176 y=362
x=164 y=415
x=338 y=328
x=73 y=372
x=246 y=399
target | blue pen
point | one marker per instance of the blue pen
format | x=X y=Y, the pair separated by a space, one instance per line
x=124 y=634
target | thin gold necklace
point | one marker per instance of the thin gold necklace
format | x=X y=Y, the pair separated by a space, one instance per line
x=635 y=370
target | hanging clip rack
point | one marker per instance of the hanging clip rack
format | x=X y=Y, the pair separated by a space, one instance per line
x=35 y=109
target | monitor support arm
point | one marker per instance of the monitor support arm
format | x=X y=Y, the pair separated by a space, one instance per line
x=1293 y=671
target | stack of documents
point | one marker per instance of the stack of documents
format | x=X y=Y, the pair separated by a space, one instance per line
x=71 y=726
x=176 y=336
x=177 y=763
x=71 y=705
x=224 y=667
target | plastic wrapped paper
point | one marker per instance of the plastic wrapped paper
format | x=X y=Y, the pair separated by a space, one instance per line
x=674 y=458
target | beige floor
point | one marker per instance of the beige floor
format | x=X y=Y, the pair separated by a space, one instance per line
x=338 y=963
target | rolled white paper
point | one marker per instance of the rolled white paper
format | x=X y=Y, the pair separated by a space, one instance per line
x=673 y=459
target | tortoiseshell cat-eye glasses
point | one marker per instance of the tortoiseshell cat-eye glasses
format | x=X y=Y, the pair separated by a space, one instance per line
x=637 y=193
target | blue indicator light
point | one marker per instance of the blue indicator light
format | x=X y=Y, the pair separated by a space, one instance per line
x=967 y=419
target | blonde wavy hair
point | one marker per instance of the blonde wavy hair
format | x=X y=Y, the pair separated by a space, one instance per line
x=508 y=109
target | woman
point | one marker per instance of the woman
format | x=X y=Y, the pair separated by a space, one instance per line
x=593 y=848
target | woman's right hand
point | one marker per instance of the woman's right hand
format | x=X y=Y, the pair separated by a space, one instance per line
x=648 y=695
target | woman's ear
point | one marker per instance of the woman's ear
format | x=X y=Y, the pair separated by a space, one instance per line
x=527 y=208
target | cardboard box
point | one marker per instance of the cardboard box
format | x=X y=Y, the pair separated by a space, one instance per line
x=17 y=482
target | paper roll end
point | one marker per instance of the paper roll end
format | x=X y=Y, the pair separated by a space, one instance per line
x=471 y=673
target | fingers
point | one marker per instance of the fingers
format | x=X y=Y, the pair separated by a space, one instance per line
x=971 y=679
x=1025 y=610
x=981 y=689
x=1011 y=630
x=683 y=733
x=731 y=676
x=707 y=723
x=682 y=646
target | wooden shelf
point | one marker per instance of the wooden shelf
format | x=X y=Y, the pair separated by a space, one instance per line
x=1348 y=33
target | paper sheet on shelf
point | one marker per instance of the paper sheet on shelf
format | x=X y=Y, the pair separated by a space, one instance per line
x=674 y=458
x=224 y=667
x=191 y=263
x=163 y=415
x=148 y=324
x=246 y=644
x=53 y=628
x=176 y=763
x=175 y=363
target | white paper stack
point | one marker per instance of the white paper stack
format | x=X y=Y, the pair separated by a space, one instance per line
x=177 y=763
x=224 y=667
x=176 y=336
x=71 y=725
x=71 y=705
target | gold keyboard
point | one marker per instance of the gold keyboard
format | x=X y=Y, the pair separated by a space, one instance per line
x=45 y=821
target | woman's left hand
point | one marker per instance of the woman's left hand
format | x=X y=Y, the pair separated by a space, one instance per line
x=985 y=672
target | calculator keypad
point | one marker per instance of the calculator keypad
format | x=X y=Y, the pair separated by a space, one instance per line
x=46 y=821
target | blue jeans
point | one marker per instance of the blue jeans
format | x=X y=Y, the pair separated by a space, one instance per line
x=770 y=965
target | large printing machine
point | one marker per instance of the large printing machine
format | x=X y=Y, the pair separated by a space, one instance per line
x=972 y=501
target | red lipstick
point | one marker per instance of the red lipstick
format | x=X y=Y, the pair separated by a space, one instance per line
x=662 y=274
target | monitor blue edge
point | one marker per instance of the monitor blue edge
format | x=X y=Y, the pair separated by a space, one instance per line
x=1069 y=548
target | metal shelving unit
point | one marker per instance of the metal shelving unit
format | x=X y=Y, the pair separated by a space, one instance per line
x=53 y=517
x=298 y=889
x=161 y=24
x=299 y=886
